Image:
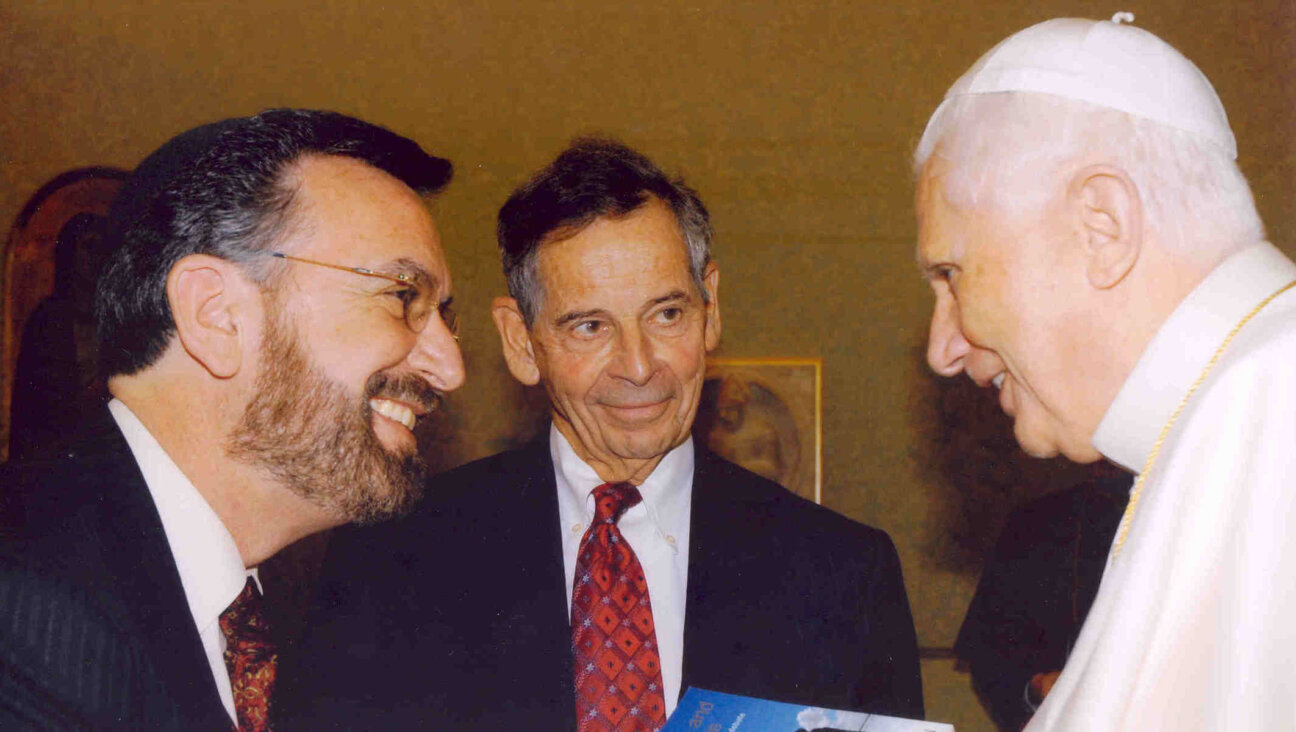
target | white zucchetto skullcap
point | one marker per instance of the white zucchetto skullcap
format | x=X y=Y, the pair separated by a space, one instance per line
x=1106 y=63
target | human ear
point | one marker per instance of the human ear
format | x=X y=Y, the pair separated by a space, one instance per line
x=711 y=280
x=1111 y=222
x=516 y=340
x=210 y=303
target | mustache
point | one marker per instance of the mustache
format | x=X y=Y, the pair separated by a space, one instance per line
x=406 y=388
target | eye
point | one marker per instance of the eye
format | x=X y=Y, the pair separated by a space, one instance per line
x=942 y=274
x=405 y=295
x=669 y=315
x=587 y=328
x=416 y=304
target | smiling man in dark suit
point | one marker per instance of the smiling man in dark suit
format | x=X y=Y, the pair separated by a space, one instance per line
x=271 y=322
x=583 y=582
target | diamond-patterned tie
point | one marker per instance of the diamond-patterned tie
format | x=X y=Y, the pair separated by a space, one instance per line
x=618 y=670
x=250 y=658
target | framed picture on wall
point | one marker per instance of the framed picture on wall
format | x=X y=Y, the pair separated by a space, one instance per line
x=766 y=415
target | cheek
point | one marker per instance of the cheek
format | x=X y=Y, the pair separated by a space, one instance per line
x=996 y=312
x=353 y=360
x=973 y=314
x=572 y=378
x=687 y=366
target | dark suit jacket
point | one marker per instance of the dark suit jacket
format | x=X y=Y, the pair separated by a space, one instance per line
x=1036 y=591
x=95 y=631
x=456 y=618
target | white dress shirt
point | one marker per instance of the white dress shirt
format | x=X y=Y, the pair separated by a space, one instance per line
x=1192 y=627
x=657 y=529
x=211 y=569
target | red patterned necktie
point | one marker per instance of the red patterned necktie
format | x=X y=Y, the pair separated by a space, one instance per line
x=250 y=658
x=618 y=670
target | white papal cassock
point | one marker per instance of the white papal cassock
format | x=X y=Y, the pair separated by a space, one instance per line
x=1194 y=626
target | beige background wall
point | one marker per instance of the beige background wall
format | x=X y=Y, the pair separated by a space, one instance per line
x=794 y=120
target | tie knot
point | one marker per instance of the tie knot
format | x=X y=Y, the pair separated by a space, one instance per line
x=250 y=659
x=613 y=499
x=244 y=618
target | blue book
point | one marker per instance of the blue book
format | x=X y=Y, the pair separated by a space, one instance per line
x=711 y=711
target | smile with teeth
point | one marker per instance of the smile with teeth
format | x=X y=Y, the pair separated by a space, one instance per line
x=999 y=380
x=394 y=411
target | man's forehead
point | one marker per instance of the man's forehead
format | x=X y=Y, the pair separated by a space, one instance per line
x=610 y=271
x=933 y=178
x=936 y=237
x=611 y=276
x=349 y=210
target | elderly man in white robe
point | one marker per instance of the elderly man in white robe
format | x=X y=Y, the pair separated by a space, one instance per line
x=1096 y=256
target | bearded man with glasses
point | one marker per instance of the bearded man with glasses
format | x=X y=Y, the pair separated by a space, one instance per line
x=274 y=320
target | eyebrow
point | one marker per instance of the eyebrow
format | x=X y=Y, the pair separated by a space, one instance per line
x=407 y=267
x=671 y=296
x=565 y=318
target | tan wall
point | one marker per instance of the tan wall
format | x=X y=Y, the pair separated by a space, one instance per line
x=795 y=121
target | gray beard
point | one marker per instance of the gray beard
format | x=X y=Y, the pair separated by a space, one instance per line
x=316 y=440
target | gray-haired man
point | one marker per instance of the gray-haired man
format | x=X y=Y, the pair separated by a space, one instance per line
x=1097 y=258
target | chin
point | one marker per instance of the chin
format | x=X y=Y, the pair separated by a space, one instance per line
x=1050 y=446
x=1033 y=443
x=642 y=446
x=1036 y=451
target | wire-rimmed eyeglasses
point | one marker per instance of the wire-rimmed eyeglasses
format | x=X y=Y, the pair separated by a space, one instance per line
x=417 y=299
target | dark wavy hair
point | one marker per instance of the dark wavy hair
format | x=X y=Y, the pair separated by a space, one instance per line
x=593 y=178
x=223 y=189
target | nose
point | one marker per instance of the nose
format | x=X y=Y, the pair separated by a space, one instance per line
x=436 y=356
x=946 y=347
x=634 y=357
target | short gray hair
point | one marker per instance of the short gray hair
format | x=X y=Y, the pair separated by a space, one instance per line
x=1000 y=145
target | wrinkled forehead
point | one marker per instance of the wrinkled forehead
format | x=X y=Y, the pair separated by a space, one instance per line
x=957 y=176
x=930 y=182
x=617 y=256
x=945 y=223
x=931 y=196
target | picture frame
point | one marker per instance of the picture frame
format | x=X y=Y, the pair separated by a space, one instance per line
x=766 y=414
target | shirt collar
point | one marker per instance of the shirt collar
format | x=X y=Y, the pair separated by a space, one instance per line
x=211 y=568
x=1181 y=348
x=666 y=491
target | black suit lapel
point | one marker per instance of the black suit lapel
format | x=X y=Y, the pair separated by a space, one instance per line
x=518 y=637
x=544 y=592
x=142 y=569
x=730 y=633
x=715 y=565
